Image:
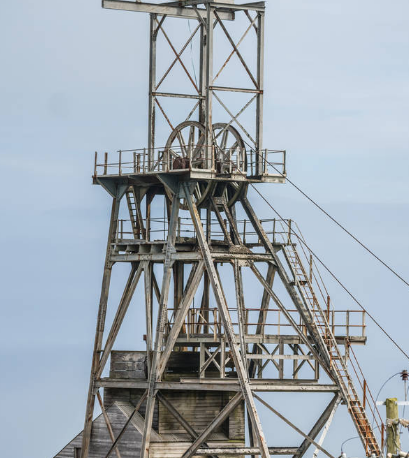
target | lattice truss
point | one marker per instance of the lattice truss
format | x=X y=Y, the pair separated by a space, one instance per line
x=191 y=82
x=223 y=284
x=238 y=295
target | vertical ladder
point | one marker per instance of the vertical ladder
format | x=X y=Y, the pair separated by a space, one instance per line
x=133 y=211
x=338 y=364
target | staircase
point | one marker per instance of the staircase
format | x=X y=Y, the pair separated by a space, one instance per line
x=337 y=362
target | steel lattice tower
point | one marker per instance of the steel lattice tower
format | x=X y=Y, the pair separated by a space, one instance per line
x=188 y=221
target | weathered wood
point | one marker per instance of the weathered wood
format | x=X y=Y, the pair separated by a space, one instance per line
x=309 y=439
x=238 y=282
x=298 y=301
x=287 y=314
x=129 y=290
x=191 y=288
x=108 y=423
x=173 y=11
x=160 y=327
x=99 y=333
x=330 y=409
x=148 y=312
x=220 y=385
x=223 y=415
x=122 y=432
x=245 y=451
x=224 y=312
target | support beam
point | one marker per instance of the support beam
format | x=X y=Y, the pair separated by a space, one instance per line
x=228 y=327
x=286 y=314
x=129 y=290
x=293 y=426
x=238 y=282
x=298 y=302
x=99 y=333
x=220 y=418
x=268 y=386
x=108 y=424
x=137 y=407
x=327 y=425
x=160 y=327
x=173 y=411
x=191 y=288
x=326 y=417
x=148 y=312
x=173 y=11
x=234 y=451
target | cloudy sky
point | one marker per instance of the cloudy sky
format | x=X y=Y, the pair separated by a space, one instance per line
x=74 y=81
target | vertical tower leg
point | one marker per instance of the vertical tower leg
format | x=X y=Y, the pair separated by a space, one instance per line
x=160 y=327
x=99 y=333
x=227 y=323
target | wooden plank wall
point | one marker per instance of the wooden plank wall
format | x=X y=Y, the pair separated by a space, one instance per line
x=130 y=444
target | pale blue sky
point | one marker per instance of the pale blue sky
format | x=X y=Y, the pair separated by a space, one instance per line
x=74 y=80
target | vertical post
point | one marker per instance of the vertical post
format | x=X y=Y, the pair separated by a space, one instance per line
x=148 y=306
x=281 y=360
x=105 y=163
x=238 y=280
x=152 y=88
x=119 y=162
x=209 y=83
x=202 y=359
x=392 y=431
x=289 y=232
x=227 y=324
x=347 y=323
x=202 y=74
x=160 y=327
x=95 y=163
x=260 y=83
x=99 y=333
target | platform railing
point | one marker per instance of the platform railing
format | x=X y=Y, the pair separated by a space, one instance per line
x=163 y=160
x=158 y=228
x=267 y=322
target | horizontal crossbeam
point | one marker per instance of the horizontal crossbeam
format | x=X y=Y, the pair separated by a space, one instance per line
x=246 y=451
x=172 y=11
x=288 y=386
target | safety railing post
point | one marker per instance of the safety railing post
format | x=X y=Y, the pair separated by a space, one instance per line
x=105 y=163
x=347 y=323
x=265 y=161
x=95 y=163
x=289 y=232
x=120 y=163
x=274 y=231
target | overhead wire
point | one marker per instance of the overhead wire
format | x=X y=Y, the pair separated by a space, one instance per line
x=319 y=259
x=338 y=223
x=332 y=274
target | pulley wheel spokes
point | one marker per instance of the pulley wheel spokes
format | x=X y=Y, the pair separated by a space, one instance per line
x=185 y=145
x=230 y=150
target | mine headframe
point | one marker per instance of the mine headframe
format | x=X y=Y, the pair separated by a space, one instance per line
x=264 y=322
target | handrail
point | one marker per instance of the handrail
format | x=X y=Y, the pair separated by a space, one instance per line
x=144 y=161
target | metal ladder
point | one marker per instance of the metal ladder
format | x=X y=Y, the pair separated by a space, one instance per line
x=338 y=364
x=131 y=201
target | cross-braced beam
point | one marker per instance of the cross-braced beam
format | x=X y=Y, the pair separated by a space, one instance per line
x=160 y=327
x=227 y=323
